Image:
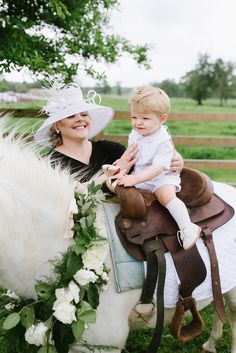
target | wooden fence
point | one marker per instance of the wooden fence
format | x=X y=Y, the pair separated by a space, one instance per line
x=222 y=141
x=229 y=141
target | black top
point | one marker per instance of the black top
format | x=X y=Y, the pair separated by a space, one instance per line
x=103 y=152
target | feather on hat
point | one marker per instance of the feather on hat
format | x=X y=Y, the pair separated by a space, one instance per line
x=67 y=100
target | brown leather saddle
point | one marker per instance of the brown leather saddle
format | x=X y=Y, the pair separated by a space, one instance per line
x=145 y=226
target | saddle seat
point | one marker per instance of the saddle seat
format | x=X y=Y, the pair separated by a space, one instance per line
x=197 y=190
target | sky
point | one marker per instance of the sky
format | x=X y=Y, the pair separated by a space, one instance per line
x=177 y=31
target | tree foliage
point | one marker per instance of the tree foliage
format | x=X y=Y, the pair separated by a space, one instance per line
x=224 y=79
x=199 y=82
x=59 y=36
x=172 y=88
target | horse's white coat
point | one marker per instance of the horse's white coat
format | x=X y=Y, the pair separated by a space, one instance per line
x=34 y=201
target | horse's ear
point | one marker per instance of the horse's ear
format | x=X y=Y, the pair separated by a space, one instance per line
x=132 y=204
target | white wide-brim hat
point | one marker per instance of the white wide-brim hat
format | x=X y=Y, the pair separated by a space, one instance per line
x=67 y=100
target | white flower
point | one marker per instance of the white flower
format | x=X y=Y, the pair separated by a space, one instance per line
x=64 y=311
x=12 y=295
x=104 y=287
x=67 y=294
x=63 y=295
x=9 y=306
x=84 y=277
x=74 y=290
x=35 y=334
x=104 y=276
x=94 y=257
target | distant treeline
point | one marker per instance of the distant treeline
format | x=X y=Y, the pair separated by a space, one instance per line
x=208 y=79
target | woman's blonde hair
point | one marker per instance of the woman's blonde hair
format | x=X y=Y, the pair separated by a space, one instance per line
x=54 y=137
x=145 y=99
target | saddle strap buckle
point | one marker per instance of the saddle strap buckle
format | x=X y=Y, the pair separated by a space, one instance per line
x=193 y=328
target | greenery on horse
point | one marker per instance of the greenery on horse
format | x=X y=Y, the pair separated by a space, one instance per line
x=27 y=325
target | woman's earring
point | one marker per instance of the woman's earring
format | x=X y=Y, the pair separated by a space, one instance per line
x=57 y=131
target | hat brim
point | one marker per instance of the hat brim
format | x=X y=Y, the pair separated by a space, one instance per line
x=99 y=114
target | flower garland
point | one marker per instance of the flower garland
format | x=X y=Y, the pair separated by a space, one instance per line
x=67 y=304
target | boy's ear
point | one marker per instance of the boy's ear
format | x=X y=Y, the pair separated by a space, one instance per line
x=163 y=118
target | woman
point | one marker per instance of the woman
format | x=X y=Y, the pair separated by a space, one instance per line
x=73 y=121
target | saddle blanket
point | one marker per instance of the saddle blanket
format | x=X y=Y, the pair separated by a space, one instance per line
x=129 y=273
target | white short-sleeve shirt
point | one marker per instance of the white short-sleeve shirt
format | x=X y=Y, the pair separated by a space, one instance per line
x=154 y=149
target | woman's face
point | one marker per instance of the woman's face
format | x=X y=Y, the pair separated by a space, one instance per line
x=75 y=126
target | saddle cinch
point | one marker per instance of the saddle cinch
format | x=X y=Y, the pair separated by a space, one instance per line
x=147 y=230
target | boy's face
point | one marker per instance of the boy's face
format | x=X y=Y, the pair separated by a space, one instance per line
x=146 y=124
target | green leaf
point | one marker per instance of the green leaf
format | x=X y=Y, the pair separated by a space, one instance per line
x=85 y=306
x=83 y=222
x=88 y=316
x=86 y=206
x=27 y=317
x=11 y=321
x=48 y=322
x=49 y=349
x=44 y=290
x=78 y=328
x=90 y=219
x=74 y=263
x=93 y=296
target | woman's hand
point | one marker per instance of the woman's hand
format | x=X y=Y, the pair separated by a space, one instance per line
x=177 y=163
x=128 y=158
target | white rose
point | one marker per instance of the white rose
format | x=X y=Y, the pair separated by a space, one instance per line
x=67 y=294
x=94 y=257
x=35 y=334
x=64 y=311
x=63 y=294
x=74 y=290
x=84 y=277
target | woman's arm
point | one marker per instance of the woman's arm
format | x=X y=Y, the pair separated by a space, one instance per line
x=177 y=163
x=128 y=158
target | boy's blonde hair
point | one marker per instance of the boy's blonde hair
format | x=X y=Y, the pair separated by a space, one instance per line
x=145 y=99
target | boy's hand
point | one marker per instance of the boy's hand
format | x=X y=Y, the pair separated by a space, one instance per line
x=127 y=180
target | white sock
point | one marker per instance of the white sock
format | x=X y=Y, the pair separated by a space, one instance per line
x=179 y=212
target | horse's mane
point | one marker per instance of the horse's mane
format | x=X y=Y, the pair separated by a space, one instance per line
x=34 y=201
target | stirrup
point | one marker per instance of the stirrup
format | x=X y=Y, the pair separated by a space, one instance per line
x=181 y=332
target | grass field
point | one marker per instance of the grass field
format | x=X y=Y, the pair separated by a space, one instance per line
x=121 y=103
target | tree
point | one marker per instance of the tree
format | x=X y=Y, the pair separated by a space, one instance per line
x=172 y=88
x=103 y=88
x=59 y=36
x=118 y=88
x=199 y=82
x=224 y=79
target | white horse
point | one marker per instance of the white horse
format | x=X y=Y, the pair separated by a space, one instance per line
x=34 y=201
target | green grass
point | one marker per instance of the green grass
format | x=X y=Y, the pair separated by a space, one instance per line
x=138 y=340
x=121 y=103
x=187 y=128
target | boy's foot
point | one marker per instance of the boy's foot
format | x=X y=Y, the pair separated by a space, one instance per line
x=188 y=235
